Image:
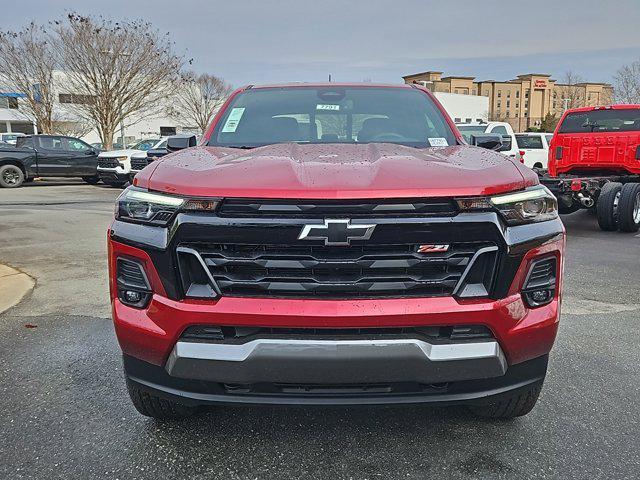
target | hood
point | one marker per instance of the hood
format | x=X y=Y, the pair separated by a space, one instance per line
x=119 y=153
x=335 y=171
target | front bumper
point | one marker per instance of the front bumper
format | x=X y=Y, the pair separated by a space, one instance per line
x=158 y=359
x=354 y=361
x=157 y=381
x=118 y=174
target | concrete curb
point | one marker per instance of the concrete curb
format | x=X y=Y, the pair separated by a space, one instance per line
x=14 y=285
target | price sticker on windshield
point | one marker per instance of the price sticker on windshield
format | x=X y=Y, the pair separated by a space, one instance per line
x=438 y=142
x=233 y=120
x=323 y=106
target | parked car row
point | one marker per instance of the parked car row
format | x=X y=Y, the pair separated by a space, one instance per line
x=35 y=156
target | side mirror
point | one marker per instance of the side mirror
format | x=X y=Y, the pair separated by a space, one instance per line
x=91 y=151
x=490 y=141
x=180 y=142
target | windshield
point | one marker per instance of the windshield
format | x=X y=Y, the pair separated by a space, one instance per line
x=597 y=121
x=145 y=145
x=264 y=116
x=468 y=130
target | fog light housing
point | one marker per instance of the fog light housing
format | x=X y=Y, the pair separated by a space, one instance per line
x=133 y=285
x=540 y=285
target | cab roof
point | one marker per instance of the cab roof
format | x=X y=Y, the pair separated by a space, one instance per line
x=332 y=84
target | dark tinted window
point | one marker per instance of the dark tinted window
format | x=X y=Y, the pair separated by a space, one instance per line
x=601 y=121
x=529 y=141
x=265 y=116
x=24 y=142
x=50 y=143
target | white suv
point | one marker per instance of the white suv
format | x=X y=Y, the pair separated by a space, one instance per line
x=114 y=167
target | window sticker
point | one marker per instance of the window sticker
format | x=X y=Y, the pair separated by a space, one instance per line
x=326 y=106
x=233 y=120
x=438 y=142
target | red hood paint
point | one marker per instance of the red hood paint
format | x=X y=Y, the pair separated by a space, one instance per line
x=336 y=171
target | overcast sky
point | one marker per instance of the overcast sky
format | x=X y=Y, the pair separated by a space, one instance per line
x=261 y=41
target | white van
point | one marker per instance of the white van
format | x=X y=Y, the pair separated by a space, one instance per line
x=535 y=147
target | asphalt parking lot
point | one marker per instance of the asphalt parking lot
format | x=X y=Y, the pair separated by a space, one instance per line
x=65 y=412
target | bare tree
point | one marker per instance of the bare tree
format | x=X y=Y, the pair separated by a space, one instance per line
x=117 y=71
x=627 y=83
x=572 y=93
x=198 y=98
x=77 y=128
x=26 y=66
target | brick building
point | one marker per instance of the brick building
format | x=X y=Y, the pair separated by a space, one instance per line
x=523 y=102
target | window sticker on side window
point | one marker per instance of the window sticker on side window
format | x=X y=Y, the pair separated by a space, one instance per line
x=233 y=120
x=438 y=142
x=326 y=106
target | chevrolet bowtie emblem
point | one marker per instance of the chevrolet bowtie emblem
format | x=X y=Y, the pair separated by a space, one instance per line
x=336 y=232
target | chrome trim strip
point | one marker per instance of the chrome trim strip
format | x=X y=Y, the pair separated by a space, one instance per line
x=241 y=352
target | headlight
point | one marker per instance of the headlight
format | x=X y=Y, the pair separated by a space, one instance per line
x=529 y=206
x=141 y=206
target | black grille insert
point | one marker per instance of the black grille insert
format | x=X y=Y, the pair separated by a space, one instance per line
x=108 y=163
x=366 y=271
x=139 y=163
x=240 y=207
x=235 y=334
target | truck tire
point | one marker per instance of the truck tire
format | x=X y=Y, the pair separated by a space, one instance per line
x=516 y=406
x=11 y=176
x=91 y=180
x=607 y=207
x=155 y=407
x=629 y=208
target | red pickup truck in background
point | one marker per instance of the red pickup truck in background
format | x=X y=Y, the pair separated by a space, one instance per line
x=594 y=162
x=335 y=244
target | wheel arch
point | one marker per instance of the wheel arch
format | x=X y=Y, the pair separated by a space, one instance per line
x=16 y=163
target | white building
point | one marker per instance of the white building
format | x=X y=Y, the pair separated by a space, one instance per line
x=13 y=117
x=464 y=108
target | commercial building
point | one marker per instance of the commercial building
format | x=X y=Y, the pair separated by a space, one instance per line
x=67 y=121
x=464 y=108
x=11 y=118
x=525 y=101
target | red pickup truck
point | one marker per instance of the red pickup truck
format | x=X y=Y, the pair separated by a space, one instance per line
x=335 y=244
x=594 y=163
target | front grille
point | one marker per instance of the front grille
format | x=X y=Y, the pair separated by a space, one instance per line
x=139 y=163
x=365 y=271
x=240 y=207
x=108 y=163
